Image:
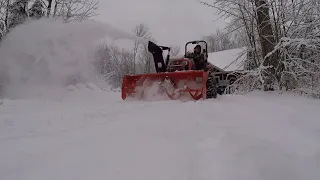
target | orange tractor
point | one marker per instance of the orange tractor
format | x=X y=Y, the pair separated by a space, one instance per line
x=173 y=77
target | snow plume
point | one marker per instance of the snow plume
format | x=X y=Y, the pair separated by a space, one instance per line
x=48 y=55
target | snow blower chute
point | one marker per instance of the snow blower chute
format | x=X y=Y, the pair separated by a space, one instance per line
x=175 y=77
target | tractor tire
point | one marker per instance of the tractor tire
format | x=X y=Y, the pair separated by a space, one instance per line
x=212 y=89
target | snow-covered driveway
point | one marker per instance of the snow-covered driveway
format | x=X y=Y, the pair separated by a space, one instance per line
x=95 y=135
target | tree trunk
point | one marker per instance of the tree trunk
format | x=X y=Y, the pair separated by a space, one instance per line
x=7 y=14
x=267 y=39
x=55 y=9
x=49 y=7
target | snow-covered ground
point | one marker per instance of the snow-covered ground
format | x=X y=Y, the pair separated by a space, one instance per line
x=93 y=134
x=52 y=132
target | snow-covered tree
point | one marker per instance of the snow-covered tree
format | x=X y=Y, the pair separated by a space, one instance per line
x=49 y=7
x=2 y=29
x=220 y=41
x=18 y=13
x=282 y=38
x=141 y=30
x=146 y=64
x=113 y=63
x=74 y=10
x=37 y=10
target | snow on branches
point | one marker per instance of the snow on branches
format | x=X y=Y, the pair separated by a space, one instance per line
x=283 y=39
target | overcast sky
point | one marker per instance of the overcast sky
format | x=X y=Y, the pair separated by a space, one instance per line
x=172 y=22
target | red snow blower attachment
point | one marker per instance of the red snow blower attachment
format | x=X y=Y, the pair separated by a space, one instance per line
x=173 y=78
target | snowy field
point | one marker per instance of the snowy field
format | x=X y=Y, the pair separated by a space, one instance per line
x=52 y=132
x=92 y=134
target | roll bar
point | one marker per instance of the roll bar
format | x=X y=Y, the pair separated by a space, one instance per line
x=196 y=42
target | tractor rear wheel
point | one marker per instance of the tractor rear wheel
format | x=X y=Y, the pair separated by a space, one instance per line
x=212 y=89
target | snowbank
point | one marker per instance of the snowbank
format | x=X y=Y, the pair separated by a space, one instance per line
x=44 y=56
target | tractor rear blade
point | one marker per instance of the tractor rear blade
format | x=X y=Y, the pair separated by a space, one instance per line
x=172 y=84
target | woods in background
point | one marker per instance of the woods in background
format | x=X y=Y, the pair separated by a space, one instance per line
x=223 y=40
x=114 y=62
x=282 y=39
x=15 y=12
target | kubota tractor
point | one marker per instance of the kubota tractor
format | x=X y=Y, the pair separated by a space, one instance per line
x=175 y=77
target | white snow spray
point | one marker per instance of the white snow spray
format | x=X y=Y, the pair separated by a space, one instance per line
x=41 y=57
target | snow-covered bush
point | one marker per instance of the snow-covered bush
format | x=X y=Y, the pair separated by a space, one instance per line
x=113 y=63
